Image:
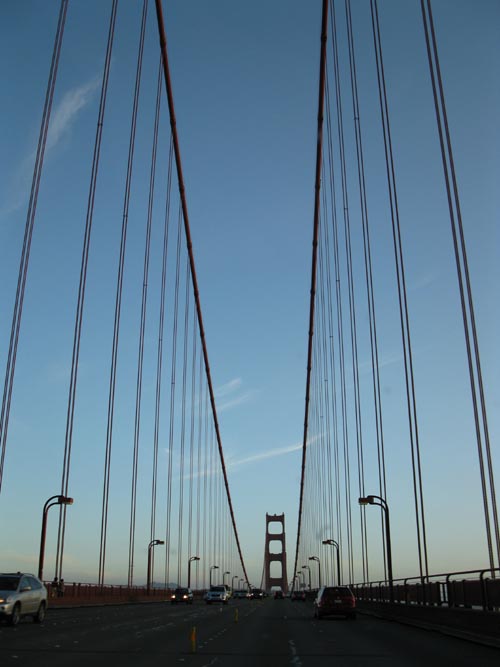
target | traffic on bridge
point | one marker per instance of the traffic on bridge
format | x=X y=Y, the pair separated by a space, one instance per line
x=249 y=262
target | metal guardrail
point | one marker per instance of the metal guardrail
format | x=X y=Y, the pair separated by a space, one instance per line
x=452 y=589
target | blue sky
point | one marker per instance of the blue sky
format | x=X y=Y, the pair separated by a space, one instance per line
x=245 y=79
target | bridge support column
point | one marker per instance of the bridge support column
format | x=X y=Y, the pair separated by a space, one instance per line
x=272 y=556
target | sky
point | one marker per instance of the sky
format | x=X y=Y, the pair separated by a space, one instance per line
x=245 y=83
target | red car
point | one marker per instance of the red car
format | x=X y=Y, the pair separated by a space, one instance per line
x=299 y=595
x=333 y=601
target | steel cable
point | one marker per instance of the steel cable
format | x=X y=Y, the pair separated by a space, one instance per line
x=142 y=330
x=467 y=304
x=28 y=235
x=189 y=244
x=317 y=188
x=159 y=356
x=81 y=295
x=173 y=368
x=403 y=302
x=379 y=431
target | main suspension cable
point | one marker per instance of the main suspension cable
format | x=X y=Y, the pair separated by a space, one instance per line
x=180 y=178
x=317 y=189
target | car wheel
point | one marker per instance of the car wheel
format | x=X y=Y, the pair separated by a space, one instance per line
x=16 y=615
x=39 y=617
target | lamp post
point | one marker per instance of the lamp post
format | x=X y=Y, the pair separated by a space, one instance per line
x=58 y=500
x=333 y=543
x=213 y=567
x=319 y=568
x=223 y=575
x=239 y=583
x=303 y=580
x=189 y=568
x=232 y=581
x=306 y=567
x=380 y=502
x=152 y=544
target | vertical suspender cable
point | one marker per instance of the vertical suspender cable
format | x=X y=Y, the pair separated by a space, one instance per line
x=119 y=286
x=351 y=293
x=180 y=532
x=319 y=147
x=28 y=234
x=142 y=330
x=159 y=358
x=332 y=356
x=180 y=178
x=379 y=432
x=473 y=358
x=81 y=293
x=340 y=336
x=403 y=303
x=172 y=396
x=192 y=434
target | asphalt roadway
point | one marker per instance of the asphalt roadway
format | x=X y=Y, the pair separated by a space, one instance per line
x=245 y=633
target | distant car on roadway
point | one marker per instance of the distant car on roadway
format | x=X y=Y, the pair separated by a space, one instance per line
x=240 y=595
x=217 y=594
x=256 y=594
x=182 y=595
x=335 y=600
x=278 y=595
x=298 y=595
x=22 y=594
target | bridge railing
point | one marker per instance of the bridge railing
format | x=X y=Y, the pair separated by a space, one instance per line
x=83 y=593
x=468 y=589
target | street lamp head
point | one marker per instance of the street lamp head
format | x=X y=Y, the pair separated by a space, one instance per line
x=214 y=567
x=227 y=572
x=159 y=542
x=313 y=558
x=194 y=558
x=369 y=500
x=64 y=500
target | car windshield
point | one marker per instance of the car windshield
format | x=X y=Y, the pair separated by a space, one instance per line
x=8 y=583
x=180 y=591
x=218 y=589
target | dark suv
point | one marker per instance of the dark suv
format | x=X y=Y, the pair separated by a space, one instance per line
x=182 y=595
x=333 y=601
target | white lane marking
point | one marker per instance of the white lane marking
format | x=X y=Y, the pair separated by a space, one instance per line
x=295 y=658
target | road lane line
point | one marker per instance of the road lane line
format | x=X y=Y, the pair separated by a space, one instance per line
x=295 y=661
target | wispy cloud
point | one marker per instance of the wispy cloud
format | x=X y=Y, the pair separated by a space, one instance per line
x=62 y=121
x=228 y=388
x=66 y=112
x=425 y=280
x=269 y=454
x=237 y=400
x=227 y=395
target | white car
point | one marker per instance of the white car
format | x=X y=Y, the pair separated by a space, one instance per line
x=217 y=594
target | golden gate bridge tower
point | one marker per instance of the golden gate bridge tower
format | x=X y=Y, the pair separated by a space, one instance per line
x=275 y=553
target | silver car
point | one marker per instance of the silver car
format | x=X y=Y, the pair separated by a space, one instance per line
x=22 y=595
